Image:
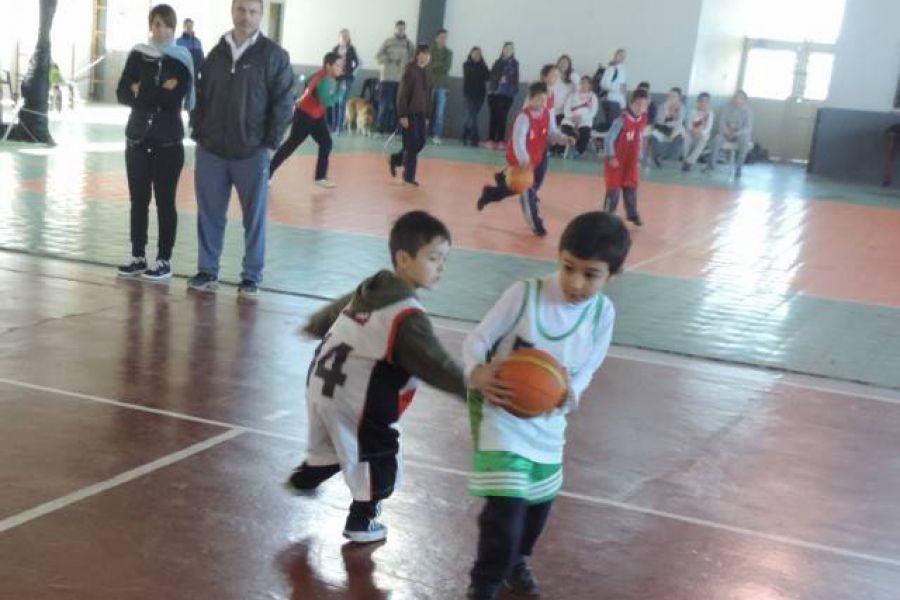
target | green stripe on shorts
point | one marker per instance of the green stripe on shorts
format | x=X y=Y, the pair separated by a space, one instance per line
x=514 y=476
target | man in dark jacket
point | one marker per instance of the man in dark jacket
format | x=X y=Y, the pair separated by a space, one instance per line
x=244 y=105
x=414 y=104
x=191 y=42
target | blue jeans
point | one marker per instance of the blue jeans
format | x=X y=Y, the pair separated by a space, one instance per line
x=470 y=127
x=336 y=113
x=440 y=105
x=213 y=178
x=387 y=107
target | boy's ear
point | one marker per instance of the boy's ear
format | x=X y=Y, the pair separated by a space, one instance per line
x=401 y=257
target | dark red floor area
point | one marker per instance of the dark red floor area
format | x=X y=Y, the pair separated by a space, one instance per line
x=686 y=481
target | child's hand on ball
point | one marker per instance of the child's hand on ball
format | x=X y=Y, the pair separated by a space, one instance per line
x=484 y=379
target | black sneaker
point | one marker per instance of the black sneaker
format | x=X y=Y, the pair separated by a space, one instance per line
x=480 y=593
x=636 y=220
x=521 y=581
x=483 y=199
x=539 y=230
x=392 y=166
x=685 y=167
x=135 y=267
x=161 y=270
x=203 y=282
x=306 y=478
x=364 y=529
x=411 y=182
x=248 y=288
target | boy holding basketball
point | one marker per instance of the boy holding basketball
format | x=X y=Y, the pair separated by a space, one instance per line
x=622 y=168
x=517 y=465
x=533 y=129
x=375 y=342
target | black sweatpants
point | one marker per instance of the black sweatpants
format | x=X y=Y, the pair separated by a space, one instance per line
x=153 y=171
x=303 y=126
x=499 y=106
x=583 y=135
x=413 y=142
x=508 y=528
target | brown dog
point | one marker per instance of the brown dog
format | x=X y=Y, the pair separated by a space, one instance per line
x=361 y=115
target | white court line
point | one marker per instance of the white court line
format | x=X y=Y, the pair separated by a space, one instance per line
x=848 y=389
x=92 y=490
x=236 y=430
x=278 y=414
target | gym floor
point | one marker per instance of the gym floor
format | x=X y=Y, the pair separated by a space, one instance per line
x=739 y=443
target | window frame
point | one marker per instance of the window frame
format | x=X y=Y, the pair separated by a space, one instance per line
x=803 y=50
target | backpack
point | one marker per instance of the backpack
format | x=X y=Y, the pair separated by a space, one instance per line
x=595 y=82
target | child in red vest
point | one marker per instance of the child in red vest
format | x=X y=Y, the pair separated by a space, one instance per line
x=623 y=156
x=309 y=118
x=533 y=129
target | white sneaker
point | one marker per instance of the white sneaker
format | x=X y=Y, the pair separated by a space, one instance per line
x=436 y=141
x=326 y=183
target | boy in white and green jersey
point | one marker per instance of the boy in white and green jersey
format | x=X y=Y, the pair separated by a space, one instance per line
x=517 y=466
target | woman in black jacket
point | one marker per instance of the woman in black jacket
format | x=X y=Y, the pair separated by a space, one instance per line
x=475 y=77
x=347 y=51
x=156 y=79
x=504 y=88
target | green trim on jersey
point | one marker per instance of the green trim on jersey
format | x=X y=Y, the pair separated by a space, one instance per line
x=555 y=338
x=510 y=475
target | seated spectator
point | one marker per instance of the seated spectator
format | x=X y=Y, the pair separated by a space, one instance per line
x=667 y=129
x=579 y=114
x=565 y=86
x=699 y=126
x=652 y=108
x=736 y=127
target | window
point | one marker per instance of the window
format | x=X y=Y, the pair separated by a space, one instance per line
x=769 y=73
x=796 y=20
x=818 y=75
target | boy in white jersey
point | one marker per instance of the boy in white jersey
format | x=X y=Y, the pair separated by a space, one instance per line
x=376 y=342
x=518 y=461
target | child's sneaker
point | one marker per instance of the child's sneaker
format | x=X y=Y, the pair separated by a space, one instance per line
x=480 y=593
x=364 y=530
x=135 y=267
x=203 y=282
x=307 y=478
x=326 y=183
x=161 y=270
x=521 y=581
x=248 y=288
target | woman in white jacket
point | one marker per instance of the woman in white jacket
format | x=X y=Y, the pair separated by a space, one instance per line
x=615 y=80
x=579 y=113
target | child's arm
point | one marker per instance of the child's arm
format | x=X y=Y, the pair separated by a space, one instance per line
x=555 y=135
x=420 y=353
x=498 y=322
x=582 y=380
x=609 y=143
x=520 y=139
x=322 y=320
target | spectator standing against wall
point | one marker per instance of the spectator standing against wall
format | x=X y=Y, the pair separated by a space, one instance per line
x=504 y=88
x=475 y=78
x=698 y=128
x=735 y=127
x=393 y=56
x=244 y=102
x=157 y=80
x=191 y=43
x=346 y=51
x=615 y=84
x=441 y=60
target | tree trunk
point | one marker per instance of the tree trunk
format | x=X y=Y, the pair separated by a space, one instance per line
x=32 y=126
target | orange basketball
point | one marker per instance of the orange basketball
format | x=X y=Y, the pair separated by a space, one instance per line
x=519 y=179
x=538 y=381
